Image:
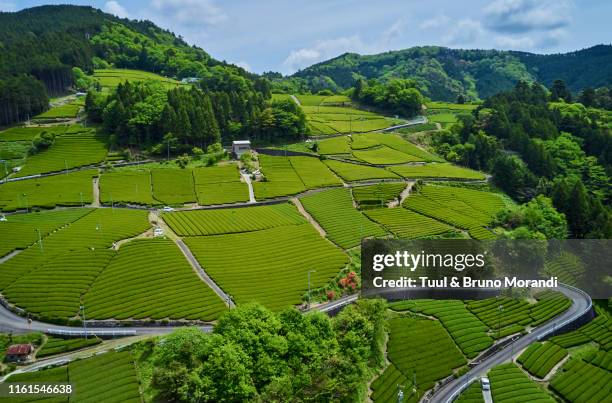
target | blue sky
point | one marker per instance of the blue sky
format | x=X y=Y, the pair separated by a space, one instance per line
x=292 y=34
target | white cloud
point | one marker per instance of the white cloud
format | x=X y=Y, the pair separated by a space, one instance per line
x=395 y=30
x=514 y=43
x=435 y=22
x=323 y=50
x=190 y=12
x=8 y=6
x=515 y=16
x=113 y=7
x=465 y=32
x=244 y=65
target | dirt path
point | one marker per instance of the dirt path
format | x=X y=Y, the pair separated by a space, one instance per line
x=10 y=255
x=406 y=192
x=247 y=179
x=96 y=192
x=295 y=99
x=308 y=217
x=555 y=368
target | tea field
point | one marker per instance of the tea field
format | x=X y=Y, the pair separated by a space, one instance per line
x=69 y=150
x=269 y=266
x=219 y=185
x=345 y=225
x=377 y=195
x=21 y=231
x=119 y=383
x=227 y=221
x=407 y=224
x=509 y=384
x=56 y=345
x=72 y=189
x=539 y=358
x=110 y=78
x=150 y=278
x=418 y=349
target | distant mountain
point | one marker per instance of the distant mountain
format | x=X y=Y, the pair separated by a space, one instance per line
x=444 y=73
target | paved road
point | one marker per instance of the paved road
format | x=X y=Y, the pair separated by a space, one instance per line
x=581 y=303
x=417 y=120
x=486 y=395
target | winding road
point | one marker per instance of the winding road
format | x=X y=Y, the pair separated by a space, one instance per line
x=581 y=303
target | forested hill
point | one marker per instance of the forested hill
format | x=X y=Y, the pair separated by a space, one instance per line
x=41 y=45
x=444 y=73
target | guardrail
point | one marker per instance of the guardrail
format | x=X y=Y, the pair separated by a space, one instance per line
x=93 y=332
x=547 y=332
x=587 y=310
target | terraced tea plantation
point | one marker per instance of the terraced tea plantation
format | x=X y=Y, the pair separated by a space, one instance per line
x=110 y=78
x=119 y=384
x=437 y=171
x=497 y=313
x=73 y=189
x=334 y=115
x=285 y=176
x=21 y=230
x=269 y=266
x=65 y=111
x=354 y=172
x=56 y=345
x=70 y=150
x=227 y=221
x=333 y=210
x=416 y=347
x=509 y=384
x=219 y=185
x=124 y=186
x=446 y=114
x=460 y=207
x=539 y=358
x=580 y=381
x=51 y=280
x=377 y=195
x=407 y=224
x=151 y=278
x=173 y=186
x=470 y=334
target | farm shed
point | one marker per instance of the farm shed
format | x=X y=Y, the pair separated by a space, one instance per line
x=240 y=147
x=19 y=352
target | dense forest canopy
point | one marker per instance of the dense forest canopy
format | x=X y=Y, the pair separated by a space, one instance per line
x=444 y=74
x=535 y=142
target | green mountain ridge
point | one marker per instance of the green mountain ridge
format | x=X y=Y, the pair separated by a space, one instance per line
x=41 y=45
x=444 y=73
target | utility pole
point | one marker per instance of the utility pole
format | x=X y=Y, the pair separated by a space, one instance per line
x=400 y=393
x=81 y=193
x=5 y=171
x=42 y=249
x=84 y=323
x=500 y=309
x=309 y=271
x=66 y=165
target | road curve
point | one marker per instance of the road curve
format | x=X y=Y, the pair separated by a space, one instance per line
x=581 y=303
